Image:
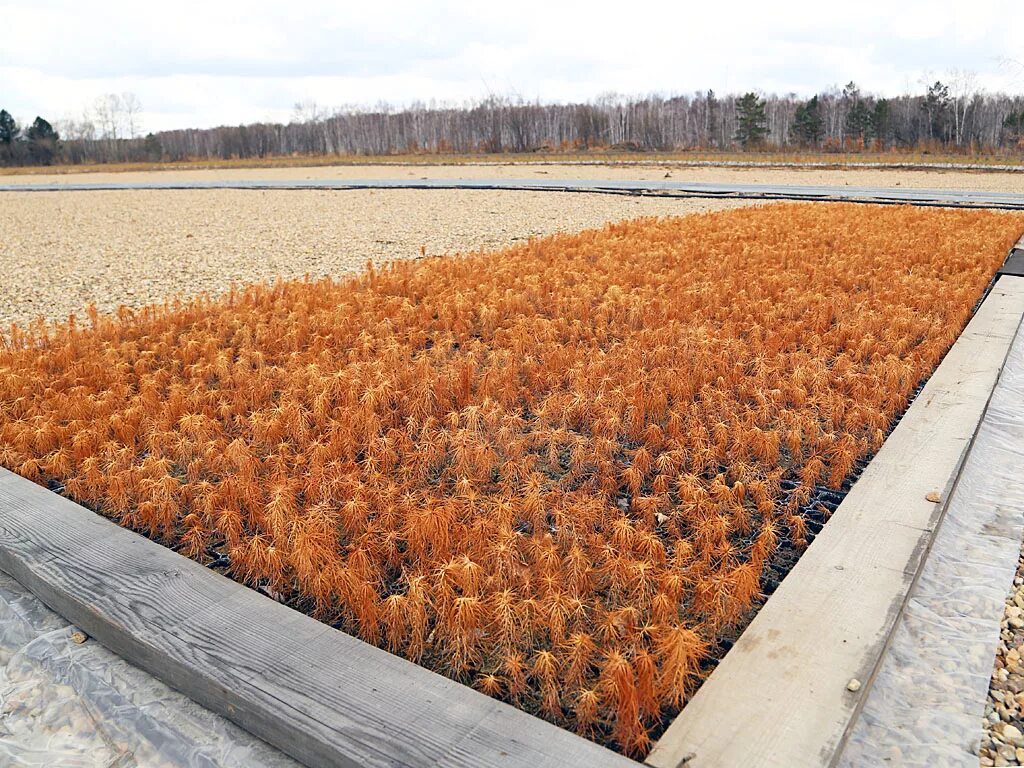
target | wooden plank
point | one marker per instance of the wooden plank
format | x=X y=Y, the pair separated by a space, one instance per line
x=321 y=696
x=780 y=697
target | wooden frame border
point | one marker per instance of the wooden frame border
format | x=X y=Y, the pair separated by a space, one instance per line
x=780 y=696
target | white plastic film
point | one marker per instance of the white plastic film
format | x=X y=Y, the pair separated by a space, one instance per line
x=926 y=703
x=77 y=705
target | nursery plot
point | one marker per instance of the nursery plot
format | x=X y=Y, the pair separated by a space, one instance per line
x=560 y=473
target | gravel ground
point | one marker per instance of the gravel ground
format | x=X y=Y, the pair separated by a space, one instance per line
x=61 y=250
x=1003 y=740
x=977 y=180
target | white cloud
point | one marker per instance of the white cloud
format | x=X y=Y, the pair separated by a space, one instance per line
x=207 y=63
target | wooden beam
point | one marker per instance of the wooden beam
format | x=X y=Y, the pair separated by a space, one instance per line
x=321 y=696
x=780 y=697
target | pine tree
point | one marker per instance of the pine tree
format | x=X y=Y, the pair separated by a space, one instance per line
x=936 y=106
x=711 y=118
x=881 y=120
x=42 y=141
x=808 y=124
x=154 y=150
x=8 y=128
x=859 y=123
x=751 y=122
x=1013 y=125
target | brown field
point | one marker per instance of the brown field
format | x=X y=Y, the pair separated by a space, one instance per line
x=557 y=472
x=600 y=157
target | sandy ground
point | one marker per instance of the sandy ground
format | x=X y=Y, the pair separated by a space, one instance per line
x=61 y=250
x=976 y=180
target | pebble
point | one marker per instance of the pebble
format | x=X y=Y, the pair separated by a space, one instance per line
x=1003 y=739
x=1012 y=735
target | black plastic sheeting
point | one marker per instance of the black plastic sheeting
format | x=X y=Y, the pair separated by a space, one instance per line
x=949 y=198
x=1014 y=264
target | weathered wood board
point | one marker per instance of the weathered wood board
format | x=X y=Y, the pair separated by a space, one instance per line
x=780 y=696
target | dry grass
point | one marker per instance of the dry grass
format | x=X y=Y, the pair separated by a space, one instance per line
x=610 y=157
x=556 y=472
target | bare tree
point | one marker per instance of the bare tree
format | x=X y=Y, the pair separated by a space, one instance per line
x=962 y=90
x=132 y=108
x=108 y=110
x=83 y=129
x=307 y=111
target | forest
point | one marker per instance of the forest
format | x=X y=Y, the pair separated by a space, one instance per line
x=945 y=118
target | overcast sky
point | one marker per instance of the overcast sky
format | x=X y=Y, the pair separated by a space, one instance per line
x=210 y=63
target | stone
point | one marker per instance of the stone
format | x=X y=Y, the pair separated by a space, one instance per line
x=1012 y=735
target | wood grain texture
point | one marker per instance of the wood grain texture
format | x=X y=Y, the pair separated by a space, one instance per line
x=321 y=696
x=780 y=698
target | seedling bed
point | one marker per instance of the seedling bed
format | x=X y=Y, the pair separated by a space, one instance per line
x=563 y=474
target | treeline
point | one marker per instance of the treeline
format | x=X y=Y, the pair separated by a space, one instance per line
x=942 y=118
x=38 y=144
